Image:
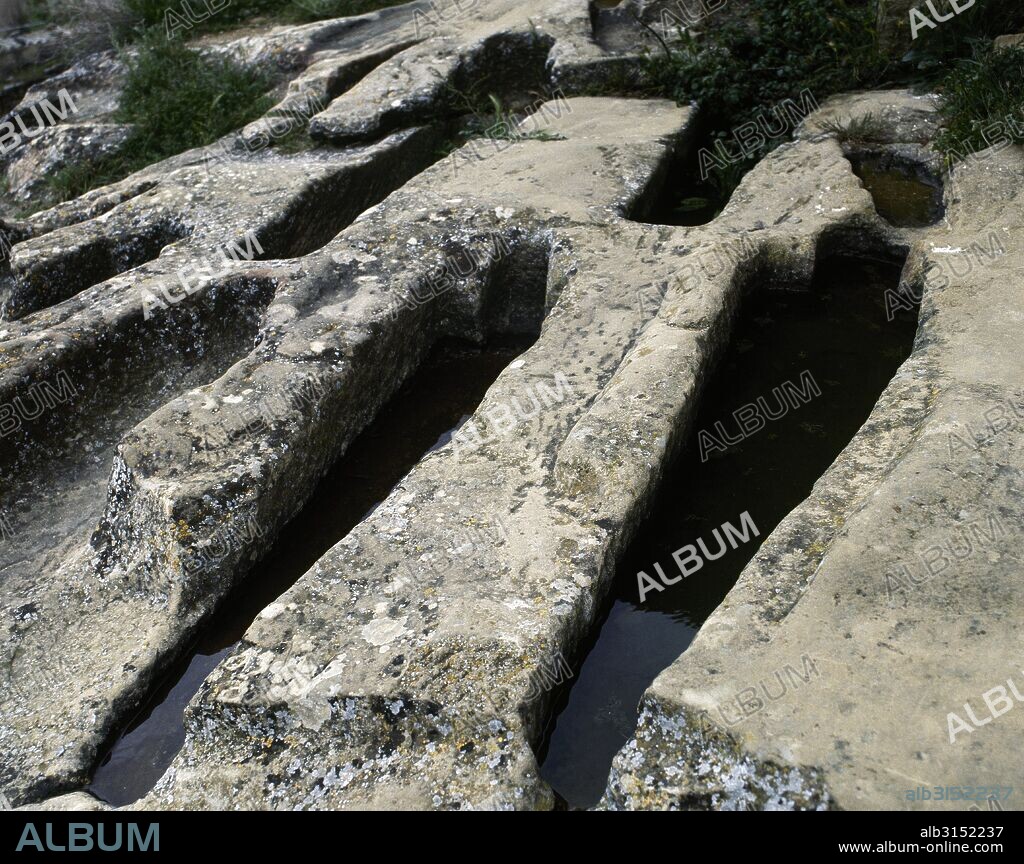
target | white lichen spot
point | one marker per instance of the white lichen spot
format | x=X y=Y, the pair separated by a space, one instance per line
x=382 y=631
x=272 y=611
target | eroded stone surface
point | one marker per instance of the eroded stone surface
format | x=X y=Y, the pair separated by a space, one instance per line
x=194 y=473
x=73 y=801
x=886 y=636
x=402 y=669
x=378 y=691
x=450 y=641
x=121 y=302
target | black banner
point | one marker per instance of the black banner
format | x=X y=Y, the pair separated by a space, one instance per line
x=38 y=833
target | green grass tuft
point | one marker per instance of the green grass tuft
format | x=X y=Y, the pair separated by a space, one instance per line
x=175 y=99
x=179 y=99
x=866 y=129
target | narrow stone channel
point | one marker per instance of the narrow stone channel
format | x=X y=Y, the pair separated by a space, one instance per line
x=692 y=196
x=832 y=344
x=421 y=417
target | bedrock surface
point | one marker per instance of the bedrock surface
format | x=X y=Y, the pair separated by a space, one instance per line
x=194 y=399
x=852 y=661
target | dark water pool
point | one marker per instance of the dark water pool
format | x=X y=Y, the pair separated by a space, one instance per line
x=838 y=333
x=421 y=417
x=904 y=195
x=690 y=198
x=698 y=183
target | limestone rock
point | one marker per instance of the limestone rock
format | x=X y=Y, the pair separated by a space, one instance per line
x=1009 y=41
x=124 y=304
x=72 y=802
x=887 y=647
x=143 y=324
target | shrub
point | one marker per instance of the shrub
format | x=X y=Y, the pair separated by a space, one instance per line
x=786 y=46
x=981 y=22
x=984 y=90
x=744 y=67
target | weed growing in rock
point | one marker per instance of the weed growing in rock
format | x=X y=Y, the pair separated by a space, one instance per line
x=505 y=125
x=488 y=117
x=866 y=129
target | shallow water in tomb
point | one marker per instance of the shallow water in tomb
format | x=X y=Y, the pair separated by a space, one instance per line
x=903 y=194
x=420 y=418
x=816 y=361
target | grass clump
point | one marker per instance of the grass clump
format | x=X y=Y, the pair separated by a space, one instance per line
x=178 y=98
x=490 y=118
x=479 y=115
x=175 y=99
x=983 y=102
x=866 y=129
